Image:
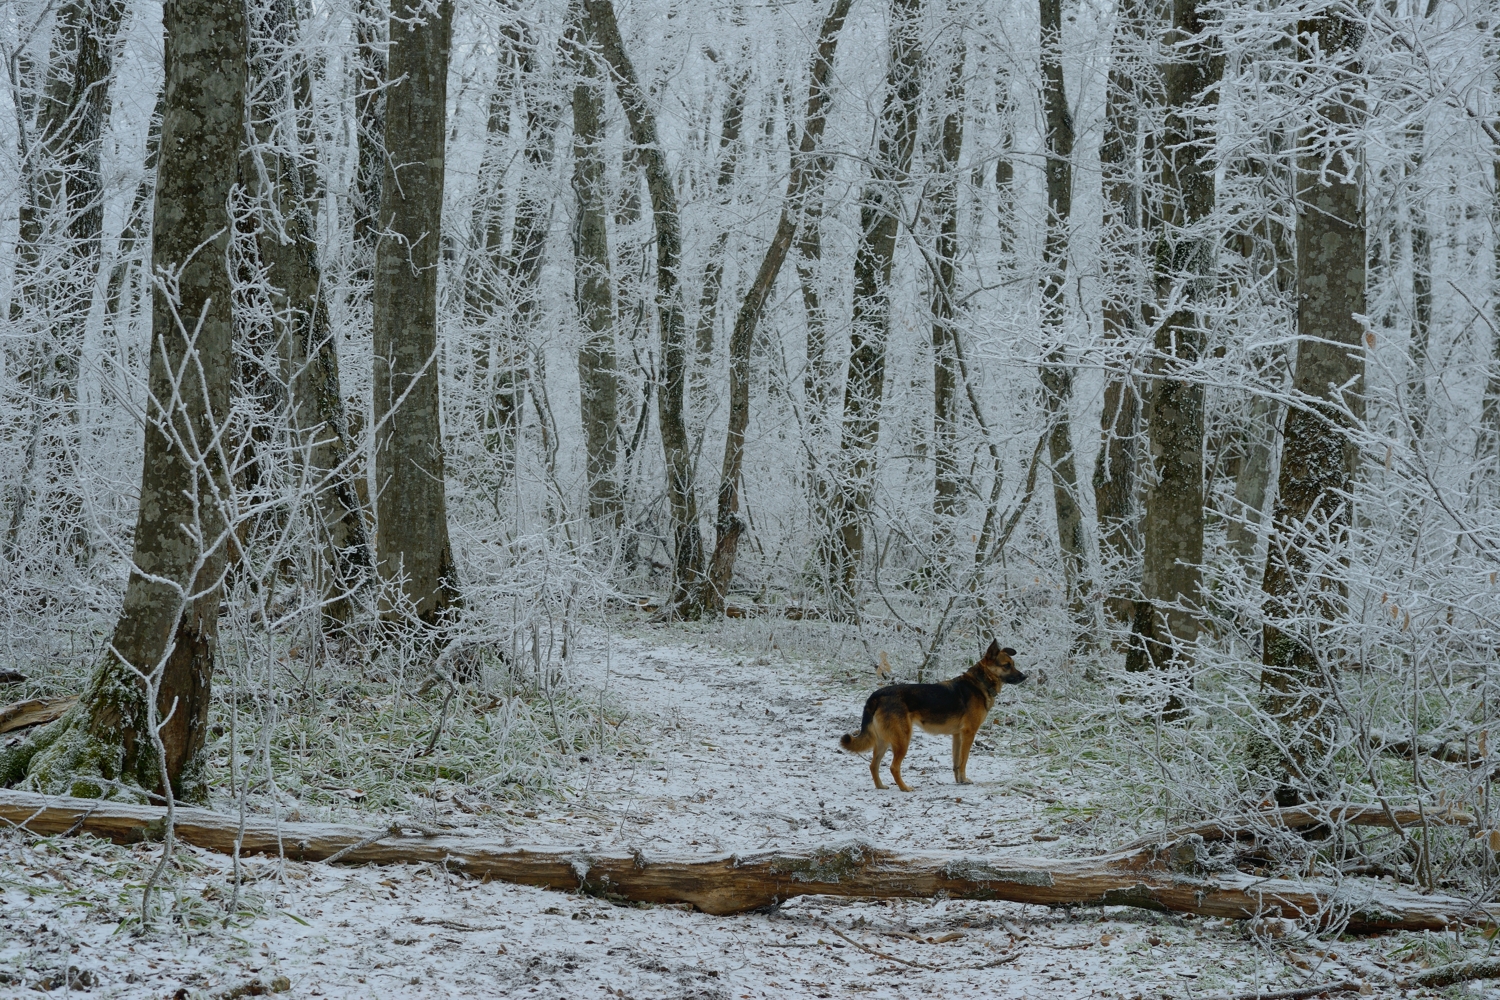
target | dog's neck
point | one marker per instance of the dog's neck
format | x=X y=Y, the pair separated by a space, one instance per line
x=982 y=679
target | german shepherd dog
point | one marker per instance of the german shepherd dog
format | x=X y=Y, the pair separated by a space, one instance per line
x=954 y=708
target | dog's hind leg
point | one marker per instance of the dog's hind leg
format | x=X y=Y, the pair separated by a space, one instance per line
x=899 y=743
x=876 y=755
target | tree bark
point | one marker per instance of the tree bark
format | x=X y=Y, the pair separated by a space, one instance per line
x=1122 y=259
x=1312 y=513
x=687 y=565
x=420 y=581
x=164 y=639
x=1417 y=401
x=1173 y=878
x=369 y=112
x=1166 y=626
x=942 y=199
x=864 y=386
x=809 y=170
x=593 y=290
x=287 y=244
x=1056 y=376
x=64 y=201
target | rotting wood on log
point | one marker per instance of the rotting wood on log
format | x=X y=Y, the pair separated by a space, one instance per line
x=34 y=712
x=1171 y=879
x=1302 y=818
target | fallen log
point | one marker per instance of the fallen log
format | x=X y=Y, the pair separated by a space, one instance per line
x=1305 y=817
x=1174 y=879
x=33 y=712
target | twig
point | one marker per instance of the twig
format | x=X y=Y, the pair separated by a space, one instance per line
x=1301 y=993
x=392 y=831
x=880 y=954
x=82 y=819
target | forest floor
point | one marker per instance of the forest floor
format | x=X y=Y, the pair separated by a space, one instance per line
x=735 y=751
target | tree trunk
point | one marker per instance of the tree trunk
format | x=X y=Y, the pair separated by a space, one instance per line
x=1253 y=484
x=1173 y=878
x=593 y=291
x=369 y=112
x=809 y=170
x=287 y=244
x=713 y=268
x=1166 y=626
x=1417 y=402
x=1318 y=460
x=420 y=581
x=1057 y=378
x=165 y=637
x=65 y=200
x=1487 y=445
x=1123 y=262
x=687 y=566
x=942 y=199
x=864 y=386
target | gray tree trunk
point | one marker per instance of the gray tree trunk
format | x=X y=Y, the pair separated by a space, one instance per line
x=1166 y=625
x=942 y=199
x=370 y=18
x=1417 y=401
x=1487 y=445
x=287 y=244
x=1312 y=513
x=168 y=625
x=809 y=166
x=688 y=563
x=415 y=556
x=1057 y=378
x=1115 y=468
x=593 y=290
x=864 y=386
x=64 y=200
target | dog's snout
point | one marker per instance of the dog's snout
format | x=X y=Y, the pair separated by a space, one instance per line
x=1016 y=678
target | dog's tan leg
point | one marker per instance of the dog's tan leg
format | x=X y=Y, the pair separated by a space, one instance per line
x=963 y=742
x=899 y=743
x=876 y=755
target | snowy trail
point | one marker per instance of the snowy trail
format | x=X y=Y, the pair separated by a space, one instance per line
x=742 y=756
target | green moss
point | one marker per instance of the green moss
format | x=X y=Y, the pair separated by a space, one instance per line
x=824 y=865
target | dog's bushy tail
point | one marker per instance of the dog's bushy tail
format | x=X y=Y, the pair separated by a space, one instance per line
x=862 y=740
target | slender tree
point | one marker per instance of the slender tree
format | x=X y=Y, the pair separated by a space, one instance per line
x=671 y=386
x=880 y=212
x=809 y=166
x=1056 y=376
x=411 y=510
x=164 y=641
x=1312 y=513
x=942 y=201
x=593 y=291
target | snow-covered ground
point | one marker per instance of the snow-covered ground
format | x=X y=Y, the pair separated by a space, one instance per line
x=741 y=754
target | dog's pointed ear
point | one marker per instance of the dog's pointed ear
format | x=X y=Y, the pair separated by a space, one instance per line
x=993 y=653
x=1008 y=651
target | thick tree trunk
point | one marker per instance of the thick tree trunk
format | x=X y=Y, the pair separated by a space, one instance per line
x=165 y=636
x=420 y=581
x=1121 y=257
x=1253 y=484
x=593 y=290
x=1056 y=376
x=1318 y=460
x=287 y=244
x=1417 y=401
x=809 y=170
x=1172 y=877
x=864 y=386
x=1487 y=446
x=942 y=199
x=1166 y=626
x=687 y=568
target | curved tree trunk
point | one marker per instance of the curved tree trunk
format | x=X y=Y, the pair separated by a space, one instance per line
x=415 y=557
x=687 y=566
x=864 y=385
x=809 y=169
x=1312 y=514
x=163 y=643
x=1165 y=626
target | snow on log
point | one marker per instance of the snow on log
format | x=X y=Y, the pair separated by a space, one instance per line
x=1174 y=878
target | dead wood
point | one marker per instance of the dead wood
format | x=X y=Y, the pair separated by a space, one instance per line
x=1462 y=972
x=33 y=712
x=1300 y=993
x=1154 y=879
x=1302 y=818
x=1450 y=751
